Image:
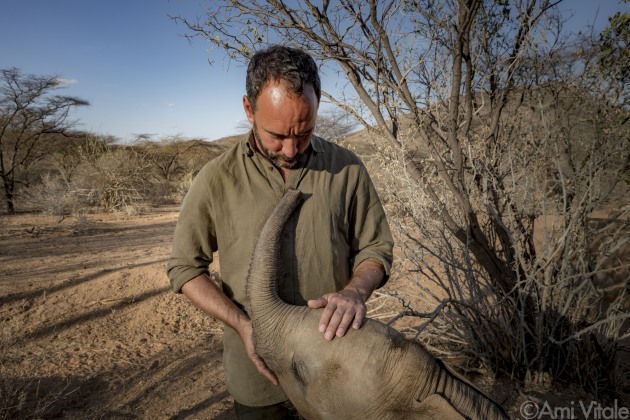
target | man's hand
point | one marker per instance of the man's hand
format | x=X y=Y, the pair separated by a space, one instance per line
x=246 y=332
x=347 y=307
x=340 y=310
x=206 y=295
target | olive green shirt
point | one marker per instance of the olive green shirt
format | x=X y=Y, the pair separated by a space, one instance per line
x=341 y=223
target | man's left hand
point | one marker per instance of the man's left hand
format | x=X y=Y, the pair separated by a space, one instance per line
x=340 y=310
x=347 y=307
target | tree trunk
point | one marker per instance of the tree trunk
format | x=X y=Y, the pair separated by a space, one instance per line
x=8 y=193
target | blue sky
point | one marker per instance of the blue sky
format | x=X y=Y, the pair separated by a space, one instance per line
x=129 y=60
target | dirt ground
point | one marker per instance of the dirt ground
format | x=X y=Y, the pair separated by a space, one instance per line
x=90 y=328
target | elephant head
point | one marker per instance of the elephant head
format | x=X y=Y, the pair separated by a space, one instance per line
x=370 y=373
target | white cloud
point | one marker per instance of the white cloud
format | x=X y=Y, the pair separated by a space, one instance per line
x=67 y=82
x=169 y=104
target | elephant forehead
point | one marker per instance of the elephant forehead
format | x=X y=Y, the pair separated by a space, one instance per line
x=360 y=356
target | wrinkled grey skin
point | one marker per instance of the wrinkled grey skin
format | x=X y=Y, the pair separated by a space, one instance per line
x=370 y=373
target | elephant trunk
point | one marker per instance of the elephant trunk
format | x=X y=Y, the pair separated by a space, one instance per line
x=263 y=302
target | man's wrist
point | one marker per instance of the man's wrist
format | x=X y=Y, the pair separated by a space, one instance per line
x=366 y=278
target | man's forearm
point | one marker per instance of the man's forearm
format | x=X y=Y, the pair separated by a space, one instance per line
x=366 y=278
x=207 y=296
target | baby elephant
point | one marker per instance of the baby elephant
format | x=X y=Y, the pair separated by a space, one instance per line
x=370 y=373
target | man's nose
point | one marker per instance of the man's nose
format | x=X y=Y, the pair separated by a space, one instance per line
x=290 y=147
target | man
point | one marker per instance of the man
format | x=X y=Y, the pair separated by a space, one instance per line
x=337 y=251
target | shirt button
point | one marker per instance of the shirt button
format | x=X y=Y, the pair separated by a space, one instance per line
x=271 y=168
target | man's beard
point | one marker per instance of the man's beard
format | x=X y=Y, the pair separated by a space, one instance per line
x=278 y=160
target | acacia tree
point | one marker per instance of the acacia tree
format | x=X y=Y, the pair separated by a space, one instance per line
x=29 y=113
x=333 y=124
x=472 y=123
x=614 y=44
x=174 y=157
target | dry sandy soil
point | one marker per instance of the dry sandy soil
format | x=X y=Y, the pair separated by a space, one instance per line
x=90 y=328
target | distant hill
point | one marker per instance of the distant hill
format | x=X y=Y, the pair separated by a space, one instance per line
x=228 y=141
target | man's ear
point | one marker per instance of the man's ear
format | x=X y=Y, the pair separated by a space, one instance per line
x=248 y=110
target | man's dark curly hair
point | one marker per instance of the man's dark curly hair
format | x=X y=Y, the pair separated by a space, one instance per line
x=280 y=63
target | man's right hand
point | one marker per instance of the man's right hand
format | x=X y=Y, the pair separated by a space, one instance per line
x=246 y=332
x=206 y=295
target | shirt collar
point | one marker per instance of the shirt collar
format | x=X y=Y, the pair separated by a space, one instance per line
x=246 y=145
x=316 y=144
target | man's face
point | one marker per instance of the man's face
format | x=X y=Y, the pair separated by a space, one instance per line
x=283 y=123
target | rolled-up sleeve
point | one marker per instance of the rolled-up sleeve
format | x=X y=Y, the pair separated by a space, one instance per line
x=194 y=240
x=371 y=235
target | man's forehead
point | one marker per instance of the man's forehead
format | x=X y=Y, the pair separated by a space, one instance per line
x=277 y=93
x=275 y=87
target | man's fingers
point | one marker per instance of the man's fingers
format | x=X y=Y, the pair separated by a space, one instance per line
x=263 y=369
x=336 y=322
x=347 y=319
x=327 y=314
x=358 y=317
x=259 y=363
x=340 y=312
x=269 y=375
x=317 y=303
x=340 y=321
